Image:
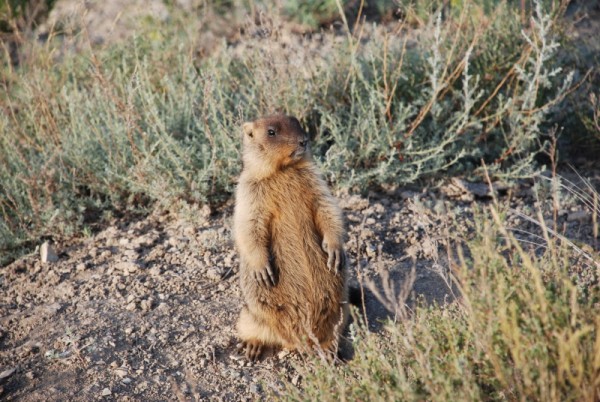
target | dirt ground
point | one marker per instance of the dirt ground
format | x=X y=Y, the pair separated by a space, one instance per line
x=146 y=309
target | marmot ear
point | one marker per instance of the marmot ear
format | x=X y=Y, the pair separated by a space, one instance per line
x=247 y=127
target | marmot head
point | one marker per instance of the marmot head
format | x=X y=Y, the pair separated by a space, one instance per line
x=274 y=142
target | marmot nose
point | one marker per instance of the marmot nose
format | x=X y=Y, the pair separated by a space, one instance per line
x=302 y=143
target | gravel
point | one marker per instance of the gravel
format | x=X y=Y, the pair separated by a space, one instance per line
x=145 y=309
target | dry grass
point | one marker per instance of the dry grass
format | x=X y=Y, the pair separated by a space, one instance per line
x=86 y=132
x=523 y=328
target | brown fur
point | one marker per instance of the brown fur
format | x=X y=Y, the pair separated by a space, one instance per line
x=289 y=232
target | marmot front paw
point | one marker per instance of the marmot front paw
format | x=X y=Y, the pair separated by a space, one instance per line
x=335 y=255
x=265 y=277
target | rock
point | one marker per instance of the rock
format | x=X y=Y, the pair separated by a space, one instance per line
x=52 y=309
x=407 y=194
x=578 y=216
x=146 y=305
x=126 y=380
x=189 y=230
x=143 y=240
x=141 y=387
x=214 y=273
x=105 y=254
x=121 y=372
x=283 y=354
x=131 y=254
x=371 y=250
x=47 y=253
x=80 y=267
x=106 y=392
x=127 y=267
x=205 y=211
x=155 y=271
x=177 y=242
x=379 y=208
x=30 y=348
x=354 y=203
x=255 y=388
x=296 y=379
x=6 y=374
x=467 y=191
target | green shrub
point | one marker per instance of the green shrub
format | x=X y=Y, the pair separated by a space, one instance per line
x=22 y=14
x=144 y=122
x=312 y=12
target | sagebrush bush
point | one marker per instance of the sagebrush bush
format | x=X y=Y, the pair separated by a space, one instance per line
x=18 y=15
x=146 y=122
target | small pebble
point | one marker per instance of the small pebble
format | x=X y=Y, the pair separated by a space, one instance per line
x=214 y=273
x=578 y=216
x=146 y=305
x=6 y=374
x=47 y=253
x=255 y=388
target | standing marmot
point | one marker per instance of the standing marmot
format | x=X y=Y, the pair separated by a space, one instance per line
x=288 y=230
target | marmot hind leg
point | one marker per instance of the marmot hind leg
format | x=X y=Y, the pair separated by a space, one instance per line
x=255 y=335
x=331 y=344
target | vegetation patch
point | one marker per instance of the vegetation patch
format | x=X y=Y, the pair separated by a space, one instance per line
x=522 y=328
x=87 y=130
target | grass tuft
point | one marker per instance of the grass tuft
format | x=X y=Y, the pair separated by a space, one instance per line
x=521 y=329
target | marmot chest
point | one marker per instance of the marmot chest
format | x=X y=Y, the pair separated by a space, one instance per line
x=292 y=208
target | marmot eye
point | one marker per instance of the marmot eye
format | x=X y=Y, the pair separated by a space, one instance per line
x=271 y=132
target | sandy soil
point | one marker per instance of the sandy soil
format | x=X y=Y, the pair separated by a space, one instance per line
x=145 y=310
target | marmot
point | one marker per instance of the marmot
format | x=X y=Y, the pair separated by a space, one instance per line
x=288 y=230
